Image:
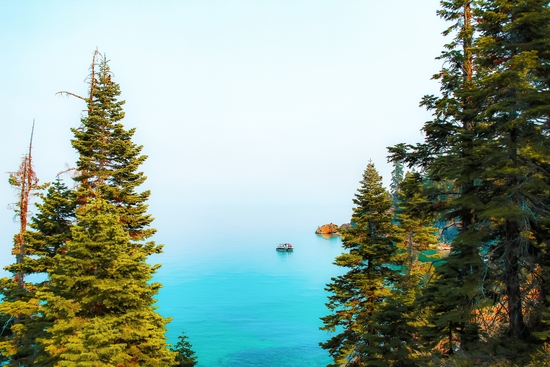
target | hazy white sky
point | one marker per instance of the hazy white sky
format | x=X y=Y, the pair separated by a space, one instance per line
x=268 y=102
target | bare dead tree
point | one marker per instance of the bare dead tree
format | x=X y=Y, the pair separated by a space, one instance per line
x=24 y=180
x=92 y=81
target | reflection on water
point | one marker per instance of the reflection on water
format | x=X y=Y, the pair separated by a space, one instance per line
x=284 y=253
x=328 y=236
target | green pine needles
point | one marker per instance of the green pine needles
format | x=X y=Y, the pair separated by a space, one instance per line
x=480 y=184
x=108 y=159
x=96 y=304
x=185 y=356
x=101 y=299
x=358 y=296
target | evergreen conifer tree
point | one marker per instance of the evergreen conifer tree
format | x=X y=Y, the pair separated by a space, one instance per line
x=19 y=307
x=50 y=227
x=400 y=317
x=48 y=236
x=396 y=179
x=359 y=294
x=514 y=48
x=101 y=299
x=489 y=137
x=18 y=310
x=185 y=356
x=108 y=160
x=416 y=219
x=99 y=296
x=452 y=153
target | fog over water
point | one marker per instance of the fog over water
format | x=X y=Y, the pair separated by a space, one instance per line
x=234 y=101
x=240 y=301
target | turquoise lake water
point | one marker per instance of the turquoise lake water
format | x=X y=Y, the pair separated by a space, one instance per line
x=240 y=302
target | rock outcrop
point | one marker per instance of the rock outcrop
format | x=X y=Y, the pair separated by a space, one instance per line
x=331 y=229
x=328 y=229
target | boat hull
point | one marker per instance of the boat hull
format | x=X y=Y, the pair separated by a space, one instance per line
x=285 y=247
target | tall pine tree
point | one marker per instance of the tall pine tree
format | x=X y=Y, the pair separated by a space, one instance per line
x=514 y=49
x=400 y=317
x=101 y=297
x=359 y=294
x=99 y=294
x=489 y=138
x=108 y=162
x=451 y=158
x=19 y=307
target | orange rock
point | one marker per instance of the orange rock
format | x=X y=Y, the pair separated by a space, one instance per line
x=327 y=229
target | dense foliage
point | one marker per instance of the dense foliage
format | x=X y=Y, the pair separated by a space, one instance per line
x=95 y=305
x=358 y=295
x=481 y=171
x=185 y=356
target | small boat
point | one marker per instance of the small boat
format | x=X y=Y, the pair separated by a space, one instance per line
x=285 y=247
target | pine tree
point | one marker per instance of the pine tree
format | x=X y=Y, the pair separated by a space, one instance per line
x=489 y=137
x=19 y=307
x=359 y=294
x=50 y=227
x=451 y=158
x=99 y=296
x=400 y=317
x=416 y=219
x=514 y=48
x=396 y=179
x=101 y=299
x=17 y=312
x=108 y=160
x=185 y=355
x=26 y=184
x=48 y=236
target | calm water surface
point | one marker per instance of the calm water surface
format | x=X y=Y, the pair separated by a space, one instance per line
x=239 y=301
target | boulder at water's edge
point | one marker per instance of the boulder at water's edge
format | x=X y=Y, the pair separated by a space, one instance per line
x=327 y=229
